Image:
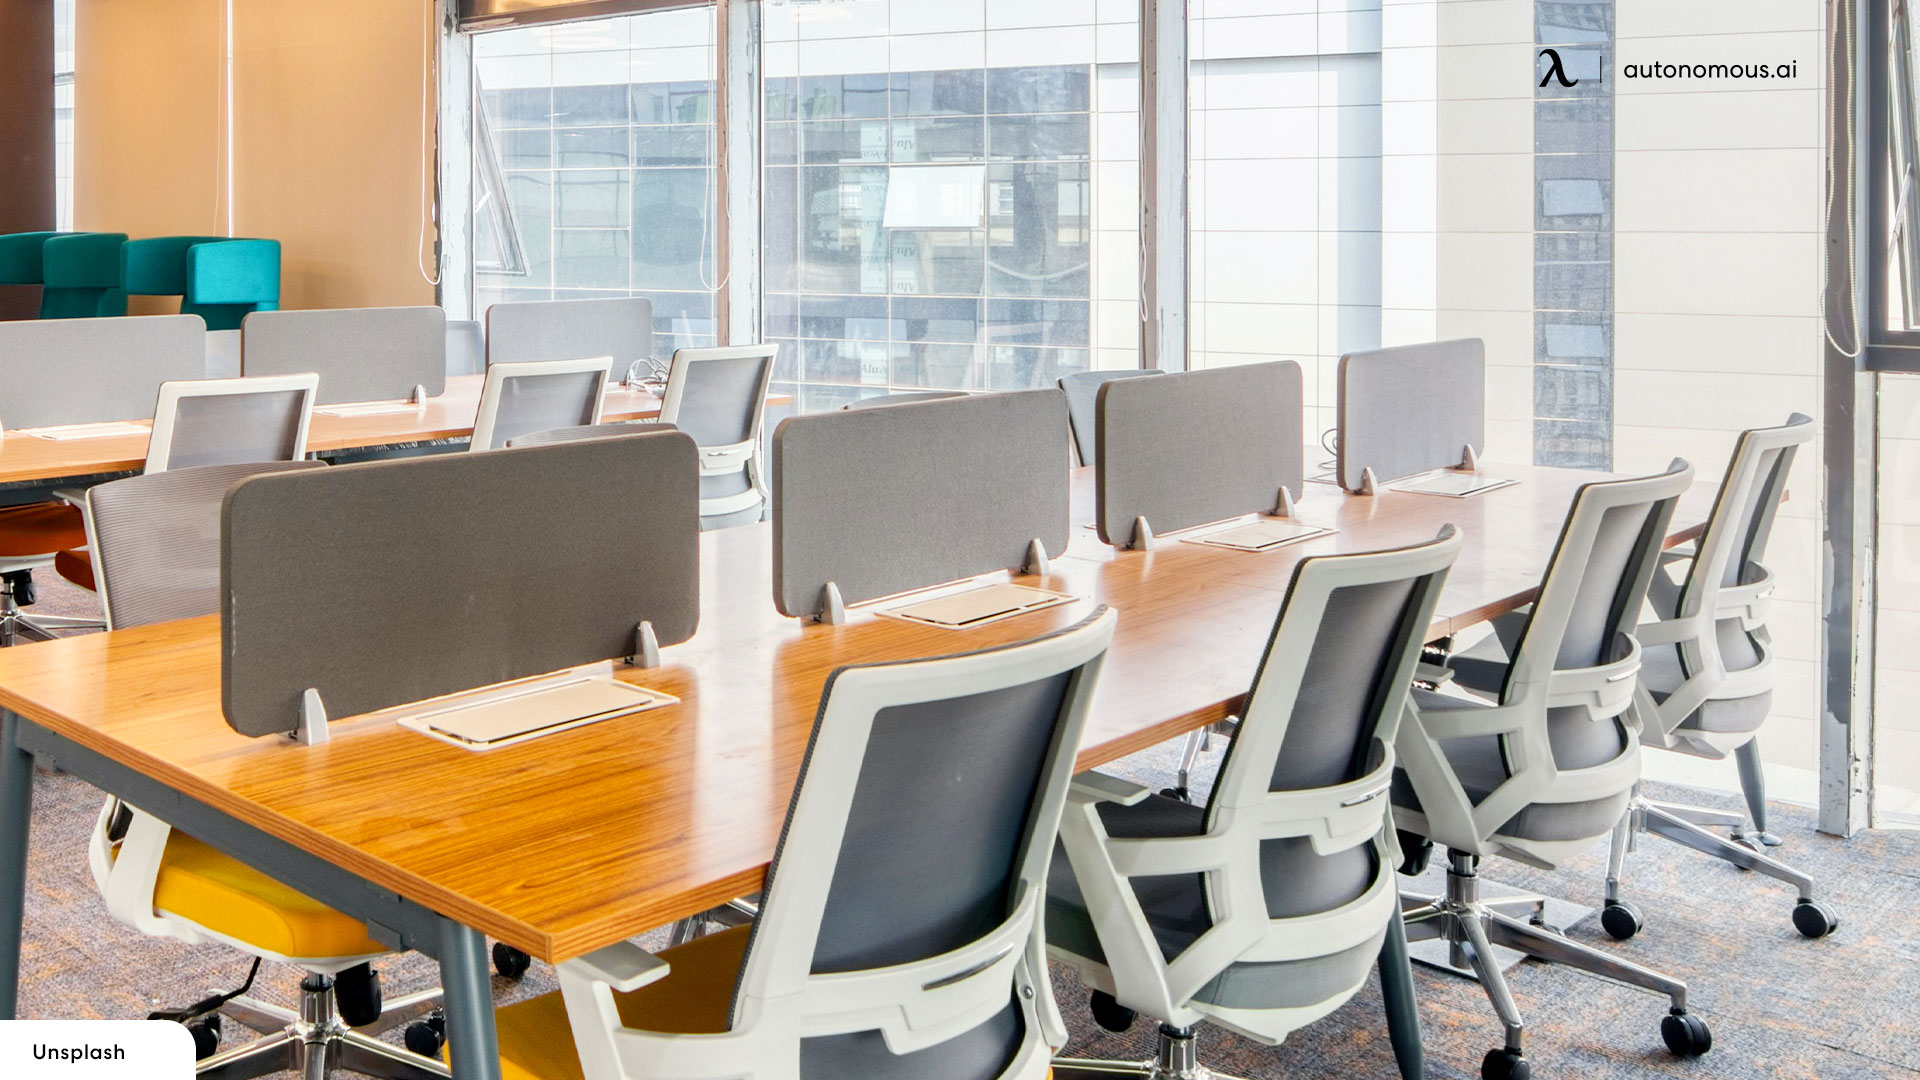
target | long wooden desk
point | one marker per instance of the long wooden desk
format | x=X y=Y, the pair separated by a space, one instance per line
x=571 y=842
x=25 y=457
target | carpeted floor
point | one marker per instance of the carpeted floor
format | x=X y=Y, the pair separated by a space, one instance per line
x=1780 y=1006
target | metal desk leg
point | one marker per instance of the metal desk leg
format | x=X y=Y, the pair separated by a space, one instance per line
x=1403 y=1008
x=466 y=978
x=16 y=815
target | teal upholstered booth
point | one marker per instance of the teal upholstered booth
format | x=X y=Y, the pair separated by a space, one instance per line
x=221 y=279
x=79 y=273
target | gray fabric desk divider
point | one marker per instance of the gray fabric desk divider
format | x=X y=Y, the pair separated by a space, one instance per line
x=392 y=582
x=361 y=354
x=1411 y=409
x=84 y=371
x=1200 y=446
x=881 y=501
x=571 y=330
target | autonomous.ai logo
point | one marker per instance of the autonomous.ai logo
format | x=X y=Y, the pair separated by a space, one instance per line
x=1555 y=70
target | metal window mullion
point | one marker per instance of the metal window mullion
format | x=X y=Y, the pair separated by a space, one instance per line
x=453 y=201
x=739 y=226
x=1164 y=250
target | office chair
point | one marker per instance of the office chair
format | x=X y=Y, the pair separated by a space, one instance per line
x=719 y=396
x=1083 y=395
x=31 y=537
x=539 y=395
x=891 y=946
x=157 y=539
x=217 y=422
x=1706 y=676
x=1541 y=764
x=1263 y=911
x=904 y=398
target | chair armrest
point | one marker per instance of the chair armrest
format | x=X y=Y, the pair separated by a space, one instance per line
x=1433 y=674
x=623 y=966
x=1099 y=787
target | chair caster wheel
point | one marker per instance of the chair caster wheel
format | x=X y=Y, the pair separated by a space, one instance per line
x=1815 y=919
x=1178 y=794
x=1416 y=853
x=356 y=993
x=206 y=1037
x=1686 y=1034
x=426 y=1036
x=1621 y=920
x=1110 y=1014
x=510 y=962
x=1505 y=1064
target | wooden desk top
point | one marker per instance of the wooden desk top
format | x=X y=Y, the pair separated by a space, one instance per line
x=573 y=841
x=450 y=416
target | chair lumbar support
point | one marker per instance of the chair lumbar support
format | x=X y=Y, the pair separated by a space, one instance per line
x=1472 y=926
x=323 y=1036
x=1176 y=1058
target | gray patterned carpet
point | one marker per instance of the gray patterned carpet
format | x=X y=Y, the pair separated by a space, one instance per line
x=1780 y=1006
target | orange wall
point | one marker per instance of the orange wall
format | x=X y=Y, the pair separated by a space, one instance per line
x=326 y=127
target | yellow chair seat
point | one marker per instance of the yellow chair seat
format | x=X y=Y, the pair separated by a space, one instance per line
x=230 y=898
x=694 y=999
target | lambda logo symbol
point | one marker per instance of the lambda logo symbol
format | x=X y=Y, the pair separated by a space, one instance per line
x=1555 y=70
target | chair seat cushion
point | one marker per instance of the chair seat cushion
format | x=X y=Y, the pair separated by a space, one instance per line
x=76 y=566
x=41 y=529
x=1298 y=881
x=230 y=898
x=1481 y=767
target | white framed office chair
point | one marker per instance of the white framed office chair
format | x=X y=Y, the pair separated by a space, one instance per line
x=1264 y=911
x=538 y=395
x=719 y=396
x=157 y=538
x=905 y=397
x=1540 y=764
x=200 y=422
x=1706 y=677
x=891 y=945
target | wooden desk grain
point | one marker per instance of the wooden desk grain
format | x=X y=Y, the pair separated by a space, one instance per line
x=570 y=842
x=25 y=457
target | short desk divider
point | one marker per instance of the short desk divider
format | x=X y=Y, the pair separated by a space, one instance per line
x=524 y=331
x=359 y=588
x=1411 y=410
x=361 y=354
x=1196 y=448
x=60 y=372
x=871 y=503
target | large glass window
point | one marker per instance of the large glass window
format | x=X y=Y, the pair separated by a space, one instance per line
x=934 y=196
x=63 y=111
x=594 y=171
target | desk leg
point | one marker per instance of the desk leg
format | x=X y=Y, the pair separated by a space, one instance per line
x=466 y=978
x=16 y=816
x=1403 y=1007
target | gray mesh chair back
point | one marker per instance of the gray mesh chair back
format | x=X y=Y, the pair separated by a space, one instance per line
x=1709 y=655
x=915 y=948
x=586 y=431
x=719 y=396
x=229 y=421
x=520 y=399
x=903 y=398
x=156 y=540
x=1083 y=391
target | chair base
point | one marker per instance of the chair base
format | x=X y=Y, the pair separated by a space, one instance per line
x=1472 y=927
x=1688 y=826
x=1177 y=1058
x=17 y=626
x=315 y=1042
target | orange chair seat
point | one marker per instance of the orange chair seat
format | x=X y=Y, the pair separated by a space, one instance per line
x=76 y=566
x=230 y=898
x=40 y=529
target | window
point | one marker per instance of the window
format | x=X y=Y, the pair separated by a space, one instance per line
x=934 y=194
x=63 y=111
x=594 y=172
